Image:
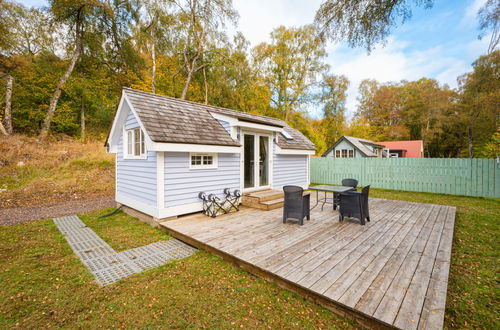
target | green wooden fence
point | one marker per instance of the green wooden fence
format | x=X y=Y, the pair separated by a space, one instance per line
x=454 y=176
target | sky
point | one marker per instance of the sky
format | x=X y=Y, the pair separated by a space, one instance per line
x=439 y=43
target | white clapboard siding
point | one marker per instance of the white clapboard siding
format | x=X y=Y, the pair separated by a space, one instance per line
x=289 y=170
x=136 y=178
x=183 y=184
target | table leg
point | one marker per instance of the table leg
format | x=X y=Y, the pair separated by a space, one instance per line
x=324 y=202
x=317 y=201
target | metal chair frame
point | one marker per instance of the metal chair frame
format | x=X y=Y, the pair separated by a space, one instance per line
x=214 y=205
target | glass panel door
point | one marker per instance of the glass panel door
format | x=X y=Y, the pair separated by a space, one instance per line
x=263 y=160
x=249 y=160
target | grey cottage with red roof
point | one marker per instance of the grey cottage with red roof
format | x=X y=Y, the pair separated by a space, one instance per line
x=168 y=150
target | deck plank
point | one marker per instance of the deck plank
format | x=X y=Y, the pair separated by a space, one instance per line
x=351 y=275
x=352 y=295
x=431 y=316
x=307 y=262
x=413 y=300
x=299 y=253
x=391 y=302
x=392 y=271
x=313 y=271
x=350 y=256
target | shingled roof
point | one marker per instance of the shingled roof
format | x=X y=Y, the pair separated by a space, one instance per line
x=299 y=142
x=358 y=143
x=171 y=120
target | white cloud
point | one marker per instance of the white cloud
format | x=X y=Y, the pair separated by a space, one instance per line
x=394 y=63
x=259 y=17
x=470 y=15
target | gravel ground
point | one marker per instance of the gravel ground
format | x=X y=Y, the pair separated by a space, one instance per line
x=13 y=215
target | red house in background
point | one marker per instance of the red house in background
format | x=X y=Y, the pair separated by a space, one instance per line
x=404 y=149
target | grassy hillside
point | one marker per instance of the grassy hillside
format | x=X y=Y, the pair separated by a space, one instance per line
x=35 y=172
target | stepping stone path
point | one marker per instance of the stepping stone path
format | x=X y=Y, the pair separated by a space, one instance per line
x=109 y=266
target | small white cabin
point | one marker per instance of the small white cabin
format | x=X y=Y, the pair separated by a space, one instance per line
x=353 y=147
x=168 y=150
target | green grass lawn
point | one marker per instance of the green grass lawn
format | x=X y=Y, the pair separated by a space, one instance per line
x=44 y=284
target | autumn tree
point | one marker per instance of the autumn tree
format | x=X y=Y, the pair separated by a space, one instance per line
x=489 y=22
x=363 y=23
x=153 y=33
x=479 y=108
x=333 y=97
x=98 y=28
x=199 y=31
x=29 y=33
x=290 y=65
x=232 y=80
x=381 y=105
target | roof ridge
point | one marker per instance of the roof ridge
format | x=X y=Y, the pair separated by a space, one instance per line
x=198 y=103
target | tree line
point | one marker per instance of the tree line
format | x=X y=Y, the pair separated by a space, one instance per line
x=63 y=68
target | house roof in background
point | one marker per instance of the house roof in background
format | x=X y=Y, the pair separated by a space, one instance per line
x=358 y=143
x=172 y=120
x=414 y=148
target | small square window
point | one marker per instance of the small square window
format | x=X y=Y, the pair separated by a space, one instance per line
x=337 y=153
x=200 y=161
x=208 y=160
x=351 y=153
x=344 y=153
x=195 y=160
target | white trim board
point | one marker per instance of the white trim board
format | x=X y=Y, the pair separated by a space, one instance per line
x=139 y=206
x=180 y=210
x=156 y=212
x=185 y=147
x=160 y=179
x=119 y=119
x=280 y=151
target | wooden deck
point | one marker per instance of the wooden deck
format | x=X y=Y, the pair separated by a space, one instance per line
x=392 y=272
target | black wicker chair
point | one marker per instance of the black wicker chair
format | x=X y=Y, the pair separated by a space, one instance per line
x=346 y=183
x=296 y=205
x=350 y=183
x=355 y=204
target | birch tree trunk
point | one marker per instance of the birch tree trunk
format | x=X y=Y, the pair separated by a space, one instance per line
x=206 y=85
x=57 y=94
x=186 y=84
x=153 y=73
x=8 y=105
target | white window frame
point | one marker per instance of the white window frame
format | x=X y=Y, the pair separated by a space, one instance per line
x=203 y=155
x=129 y=147
x=339 y=153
